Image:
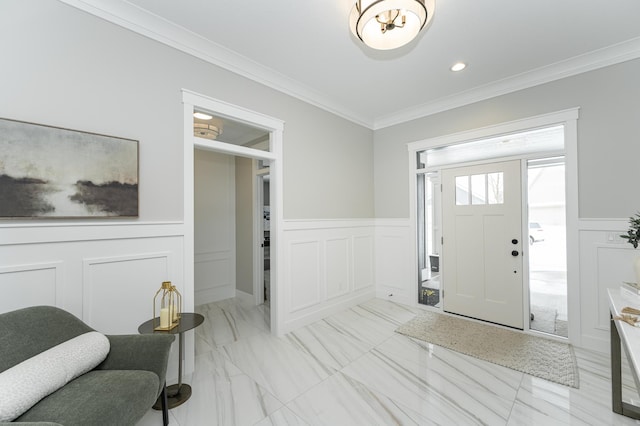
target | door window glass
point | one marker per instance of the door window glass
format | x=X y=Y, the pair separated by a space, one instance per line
x=462 y=190
x=495 y=188
x=480 y=189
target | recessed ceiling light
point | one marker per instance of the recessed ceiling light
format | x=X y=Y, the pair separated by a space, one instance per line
x=202 y=116
x=458 y=66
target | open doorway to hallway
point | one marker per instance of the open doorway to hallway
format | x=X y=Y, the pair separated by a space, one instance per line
x=231 y=213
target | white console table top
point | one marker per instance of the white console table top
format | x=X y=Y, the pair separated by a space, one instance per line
x=629 y=335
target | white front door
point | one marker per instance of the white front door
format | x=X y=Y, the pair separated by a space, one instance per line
x=482 y=242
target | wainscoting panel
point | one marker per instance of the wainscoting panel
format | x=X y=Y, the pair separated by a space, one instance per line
x=214 y=276
x=606 y=260
x=328 y=267
x=104 y=273
x=393 y=261
x=363 y=255
x=304 y=274
x=134 y=279
x=337 y=267
x=30 y=285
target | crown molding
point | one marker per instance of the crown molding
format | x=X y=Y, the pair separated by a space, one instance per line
x=590 y=61
x=141 y=21
x=138 y=20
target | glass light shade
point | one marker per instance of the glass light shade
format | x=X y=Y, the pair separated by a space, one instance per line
x=206 y=131
x=202 y=115
x=366 y=16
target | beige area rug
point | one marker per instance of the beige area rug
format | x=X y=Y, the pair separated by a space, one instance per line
x=545 y=358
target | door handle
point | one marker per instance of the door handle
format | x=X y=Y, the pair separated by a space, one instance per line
x=514 y=253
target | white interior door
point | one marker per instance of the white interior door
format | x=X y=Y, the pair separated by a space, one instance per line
x=482 y=242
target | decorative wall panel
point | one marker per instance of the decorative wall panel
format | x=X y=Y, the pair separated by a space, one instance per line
x=363 y=251
x=304 y=274
x=214 y=273
x=118 y=291
x=329 y=267
x=30 y=285
x=337 y=267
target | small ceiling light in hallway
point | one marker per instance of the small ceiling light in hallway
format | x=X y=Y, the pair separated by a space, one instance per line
x=202 y=115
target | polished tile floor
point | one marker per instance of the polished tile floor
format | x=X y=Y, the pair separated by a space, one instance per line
x=352 y=369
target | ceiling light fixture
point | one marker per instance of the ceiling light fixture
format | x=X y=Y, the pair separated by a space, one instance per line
x=206 y=131
x=458 y=66
x=389 y=24
x=202 y=115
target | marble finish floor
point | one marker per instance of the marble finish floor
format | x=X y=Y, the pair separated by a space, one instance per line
x=352 y=369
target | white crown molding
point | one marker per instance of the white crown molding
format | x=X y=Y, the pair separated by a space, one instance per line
x=133 y=18
x=140 y=21
x=590 y=61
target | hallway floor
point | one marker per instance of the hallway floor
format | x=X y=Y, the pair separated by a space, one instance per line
x=352 y=369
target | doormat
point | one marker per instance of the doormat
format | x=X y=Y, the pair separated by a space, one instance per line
x=548 y=359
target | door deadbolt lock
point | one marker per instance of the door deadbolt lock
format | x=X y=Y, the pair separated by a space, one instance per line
x=514 y=253
x=514 y=241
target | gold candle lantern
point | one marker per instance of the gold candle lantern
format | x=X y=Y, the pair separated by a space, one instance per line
x=177 y=308
x=166 y=307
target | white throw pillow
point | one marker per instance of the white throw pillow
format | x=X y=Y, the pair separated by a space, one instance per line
x=25 y=384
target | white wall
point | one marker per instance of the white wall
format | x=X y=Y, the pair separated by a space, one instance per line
x=215 y=226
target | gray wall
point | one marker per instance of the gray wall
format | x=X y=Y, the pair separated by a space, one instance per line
x=64 y=67
x=608 y=138
x=244 y=225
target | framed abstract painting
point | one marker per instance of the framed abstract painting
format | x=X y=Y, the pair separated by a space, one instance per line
x=50 y=172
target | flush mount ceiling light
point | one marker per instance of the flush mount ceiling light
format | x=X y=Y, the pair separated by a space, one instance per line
x=388 y=24
x=207 y=131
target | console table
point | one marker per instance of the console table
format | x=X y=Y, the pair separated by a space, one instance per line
x=625 y=336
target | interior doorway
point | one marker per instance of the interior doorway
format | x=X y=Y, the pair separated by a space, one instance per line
x=272 y=154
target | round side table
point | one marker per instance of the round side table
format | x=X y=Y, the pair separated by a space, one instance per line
x=176 y=394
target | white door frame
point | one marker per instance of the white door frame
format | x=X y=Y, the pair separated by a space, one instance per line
x=275 y=127
x=568 y=118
